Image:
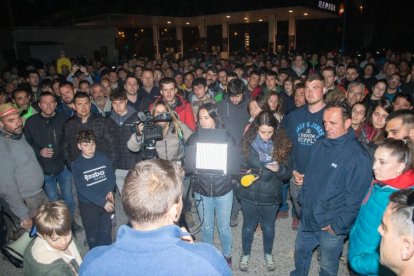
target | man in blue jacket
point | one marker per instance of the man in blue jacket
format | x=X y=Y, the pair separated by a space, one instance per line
x=338 y=176
x=153 y=244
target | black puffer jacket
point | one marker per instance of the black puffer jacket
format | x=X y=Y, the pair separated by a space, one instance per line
x=267 y=190
x=103 y=129
x=211 y=185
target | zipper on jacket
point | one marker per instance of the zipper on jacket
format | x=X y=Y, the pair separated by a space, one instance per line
x=211 y=186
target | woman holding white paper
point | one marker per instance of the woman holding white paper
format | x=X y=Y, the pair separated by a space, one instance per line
x=213 y=192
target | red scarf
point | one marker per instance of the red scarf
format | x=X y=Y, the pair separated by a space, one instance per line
x=403 y=181
x=370 y=132
x=406 y=180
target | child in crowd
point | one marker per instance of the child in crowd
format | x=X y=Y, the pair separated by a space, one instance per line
x=95 y=180
x=53 y=252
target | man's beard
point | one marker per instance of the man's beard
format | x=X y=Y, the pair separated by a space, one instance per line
x=69 y=102
x=15 y=134
x=101 y=100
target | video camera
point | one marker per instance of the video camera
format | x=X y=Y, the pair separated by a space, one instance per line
x=151 y=132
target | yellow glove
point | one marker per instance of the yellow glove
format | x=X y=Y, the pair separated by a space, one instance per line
x=248 y=180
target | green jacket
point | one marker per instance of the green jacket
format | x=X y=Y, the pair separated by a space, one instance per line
x=58 y=267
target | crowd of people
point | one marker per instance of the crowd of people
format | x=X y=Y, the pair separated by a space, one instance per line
x=333 y=133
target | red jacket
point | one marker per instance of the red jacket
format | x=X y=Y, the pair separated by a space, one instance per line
x=184 y=112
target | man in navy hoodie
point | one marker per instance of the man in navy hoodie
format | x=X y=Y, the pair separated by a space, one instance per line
x=233 y=113
x=304 y=127
x=337 y=177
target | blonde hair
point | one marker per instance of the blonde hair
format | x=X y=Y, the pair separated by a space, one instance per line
x=175 y=121
x=151 y=188
x=53 y=218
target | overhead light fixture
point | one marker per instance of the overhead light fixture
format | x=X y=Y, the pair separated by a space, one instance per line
x=246 y=18
x=187 y=23
x=305 y=14
x=227 y=16
x=168 y=22
x=290 y=11
x=260 y=20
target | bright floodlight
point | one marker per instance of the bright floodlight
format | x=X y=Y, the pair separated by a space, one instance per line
x=211 y=157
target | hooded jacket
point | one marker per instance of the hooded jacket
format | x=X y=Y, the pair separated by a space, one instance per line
x=303 y=129
x=234 y=117
x=124 y=159
x=365 y=239
x=336 y=179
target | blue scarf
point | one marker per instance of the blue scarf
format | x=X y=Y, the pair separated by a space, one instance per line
x=264 y=148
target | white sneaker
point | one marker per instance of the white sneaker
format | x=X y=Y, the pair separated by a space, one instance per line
x=244 y=262
x=270 y=263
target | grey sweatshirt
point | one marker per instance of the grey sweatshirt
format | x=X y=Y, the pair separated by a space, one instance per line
x=20 y=174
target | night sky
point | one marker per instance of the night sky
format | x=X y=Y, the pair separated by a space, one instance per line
x=388 y=22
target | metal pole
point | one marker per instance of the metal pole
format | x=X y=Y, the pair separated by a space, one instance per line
x=344 y=26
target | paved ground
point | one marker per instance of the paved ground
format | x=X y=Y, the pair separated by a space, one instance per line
x=282 y=251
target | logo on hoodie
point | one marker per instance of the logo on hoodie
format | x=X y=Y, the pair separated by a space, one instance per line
x=308 y=133
x=95 y=176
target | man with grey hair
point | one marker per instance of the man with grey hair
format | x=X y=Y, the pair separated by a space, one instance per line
x=21 y=185
x=103 y=103
x=355 y=92
x=397 y=233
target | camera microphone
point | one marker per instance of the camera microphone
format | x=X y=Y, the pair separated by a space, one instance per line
x=141 y=116
x=141 y=119
x=133 y=124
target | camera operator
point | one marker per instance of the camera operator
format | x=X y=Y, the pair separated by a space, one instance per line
x=174 y=134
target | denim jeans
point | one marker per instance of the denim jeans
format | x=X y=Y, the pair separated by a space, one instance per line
x=64 y=179
x=252 y=215
x=284 y=207
x=330 y=249
x=221 y=205
x=294 y=194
